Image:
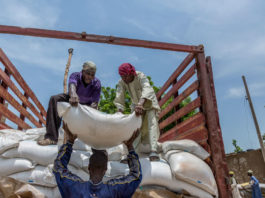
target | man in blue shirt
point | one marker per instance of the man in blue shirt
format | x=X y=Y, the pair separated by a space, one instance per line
x=256 y=192
x=72 y=186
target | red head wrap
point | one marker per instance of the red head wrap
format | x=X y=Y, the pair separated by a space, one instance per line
x=126 y=69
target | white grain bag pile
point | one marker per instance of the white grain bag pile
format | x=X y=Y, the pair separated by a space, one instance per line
x=159 y=174
x=193 y=170
x=43 y=155
x=98 y=129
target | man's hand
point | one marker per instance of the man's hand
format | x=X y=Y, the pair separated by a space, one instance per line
x=129 y=143
x=139 y=109
x=74 y=100
x=68 y=136
x=94 y=105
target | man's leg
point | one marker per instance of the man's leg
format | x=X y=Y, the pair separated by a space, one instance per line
x=153 y=133
x=53 y=121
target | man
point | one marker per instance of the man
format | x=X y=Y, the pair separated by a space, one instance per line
x=144 y=103
x=72 y=186
x=256 y=192
x=233 y=183
x=84 y=88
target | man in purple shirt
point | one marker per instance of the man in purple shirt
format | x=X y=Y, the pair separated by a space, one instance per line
x=84 y=88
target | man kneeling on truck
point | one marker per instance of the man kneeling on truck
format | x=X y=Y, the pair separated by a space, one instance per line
x=71 y=185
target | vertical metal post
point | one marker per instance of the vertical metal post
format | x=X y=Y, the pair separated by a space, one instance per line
x=254 y=118
x=215 y=140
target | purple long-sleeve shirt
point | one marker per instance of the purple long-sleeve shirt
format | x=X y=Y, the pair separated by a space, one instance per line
x=89 y=93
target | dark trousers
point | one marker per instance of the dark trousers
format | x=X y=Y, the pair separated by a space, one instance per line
x=53 y=121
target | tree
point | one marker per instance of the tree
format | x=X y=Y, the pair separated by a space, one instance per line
x=237 y=148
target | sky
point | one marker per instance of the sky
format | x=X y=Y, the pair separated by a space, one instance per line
x=232 y=32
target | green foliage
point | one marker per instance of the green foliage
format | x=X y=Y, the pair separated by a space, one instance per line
x=263 y=137
x=237 y=148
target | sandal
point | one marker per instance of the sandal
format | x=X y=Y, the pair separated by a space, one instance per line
x=154 y=156
x=46 y=142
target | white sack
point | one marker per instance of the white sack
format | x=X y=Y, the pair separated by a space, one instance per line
x=193 y=170
x=116 y=169
x=10 y=166
x=11 y=153
x=36 y=131
x=159 y=173
x=80 y=159
x=185 y=145
x=43 y=155
x=79 y=172
x=79 y=145
x=98 y=129
x=40 y=175
x=9 y=140
x=115 y=153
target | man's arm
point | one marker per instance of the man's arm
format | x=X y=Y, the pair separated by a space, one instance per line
x=126 y=186
x=96 y=95
x=63 y=176
x=74 y=99
x=119 y=100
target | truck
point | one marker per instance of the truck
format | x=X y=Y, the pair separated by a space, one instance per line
x=194 y=76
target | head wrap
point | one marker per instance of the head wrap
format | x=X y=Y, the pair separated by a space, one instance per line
x=126 y=69
x=90 y=66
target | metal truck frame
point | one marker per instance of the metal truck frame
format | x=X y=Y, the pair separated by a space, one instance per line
x=203 y=127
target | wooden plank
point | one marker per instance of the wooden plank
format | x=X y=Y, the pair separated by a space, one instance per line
x=194 y=86
x=219 y=163
x=11 y=116
x=13 y=87
x=180 y=113
x=178 y=85
x=198 y=134
x=193 y=121
x=2 y=118
x=12 y=69
x=22 y=117
x=98 y=39
x=175 y=74
x=18 y=107
x=4 y=126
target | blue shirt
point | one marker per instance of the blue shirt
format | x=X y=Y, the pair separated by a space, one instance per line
x=72 y=186
x=87 y=93
x=256 y=192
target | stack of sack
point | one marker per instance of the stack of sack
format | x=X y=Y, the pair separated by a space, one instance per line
x=181 y=168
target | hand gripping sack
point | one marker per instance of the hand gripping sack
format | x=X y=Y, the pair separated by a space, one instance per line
x=98 y=129
x=193 y=170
